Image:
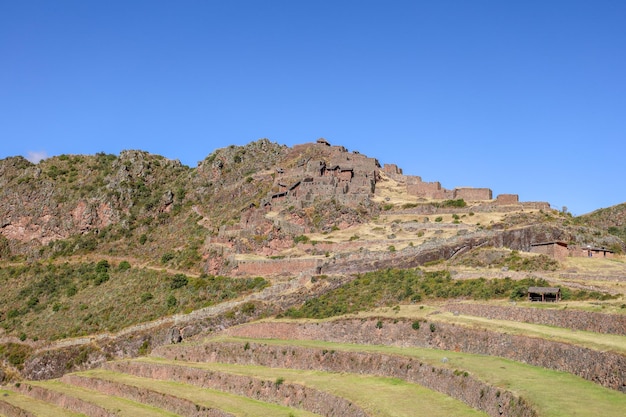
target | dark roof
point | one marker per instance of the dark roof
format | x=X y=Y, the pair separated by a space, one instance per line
x=554 y=242
x=544 y=290
x=597 y=249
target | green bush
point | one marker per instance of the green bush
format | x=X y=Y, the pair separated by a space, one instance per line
x=167 y=257
x=123 y=266
x=171 y=301
x=146 y=296
x=459 y=203
x=390 y=287
x=301 y=239
x=178 y=281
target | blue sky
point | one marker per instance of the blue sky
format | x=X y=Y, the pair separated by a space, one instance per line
x=524 y=97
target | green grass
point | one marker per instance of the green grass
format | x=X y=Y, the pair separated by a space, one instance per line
x=378 y=396
x=591 y=340
x=553 y=393
x=37 y=407
x=235 y=404
x=121 y=406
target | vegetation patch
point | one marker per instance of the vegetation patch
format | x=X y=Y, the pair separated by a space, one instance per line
x=392 y=286
x=56 y=301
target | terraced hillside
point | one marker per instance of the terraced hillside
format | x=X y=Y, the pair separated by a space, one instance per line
x=444 y=359
x=297 y=282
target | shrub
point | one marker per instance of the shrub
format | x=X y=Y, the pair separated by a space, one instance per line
x=379 y=324
x=301 y=239
x=102 y=266
x=123 y=266
x=178 y=281
x=432 y=327
x=146 y=296
x=101 y=278
x=454 y=203
x=439 y=219
x=167 y=257
x=415 y=325
x=171 y=301
x=143 y=349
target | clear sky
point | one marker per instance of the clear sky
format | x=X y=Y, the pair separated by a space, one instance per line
x=525 y=97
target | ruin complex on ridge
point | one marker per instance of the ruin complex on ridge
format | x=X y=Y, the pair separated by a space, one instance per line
x=327 y=171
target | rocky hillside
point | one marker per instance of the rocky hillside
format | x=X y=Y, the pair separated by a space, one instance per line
x=108 y=257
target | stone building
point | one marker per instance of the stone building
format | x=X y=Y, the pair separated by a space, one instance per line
x=557 y=250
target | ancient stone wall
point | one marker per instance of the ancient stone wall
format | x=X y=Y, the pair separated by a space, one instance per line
x=273 y=267
x=328 y=172
x=10 y=410
x=506 y=199
x=424 y=189
x=392 y=169
x=462 y=386
x=569 y=319
x=473 y=194
x=174 y=404
x=65 y=401
x=605 y=368
x=553 y=250
x=288 y=394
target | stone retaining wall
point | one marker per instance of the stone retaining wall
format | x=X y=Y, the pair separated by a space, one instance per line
x=12 y=411
x=605 y=368
x=292 y=395
x=570 y=319
x=65 y=401
x=459 y=385
x=272 y=267
x=168 y=402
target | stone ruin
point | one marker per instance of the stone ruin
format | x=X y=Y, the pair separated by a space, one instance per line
x=433 y=190
x=324 y=171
